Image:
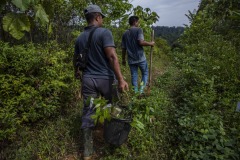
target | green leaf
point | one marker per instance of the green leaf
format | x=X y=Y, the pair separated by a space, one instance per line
x=94 y=117
x=41 y=14
x=50 y=30
x=106 y=113
x=205 y=137
x=98 y=105
x=16 y=24
x=137 y=124
x=101 y=120
x=89 y=99
x=22 y=4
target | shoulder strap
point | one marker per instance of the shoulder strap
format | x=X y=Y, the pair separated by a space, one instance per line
x=90 y=38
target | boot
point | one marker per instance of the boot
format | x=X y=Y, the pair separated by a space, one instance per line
x=135 y=88
x=141 y=89
x=88 y=143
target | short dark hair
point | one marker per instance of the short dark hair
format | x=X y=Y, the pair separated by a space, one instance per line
x=133 y=19
x=91 y=16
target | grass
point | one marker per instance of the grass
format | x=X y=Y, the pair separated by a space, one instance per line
x=55 y=139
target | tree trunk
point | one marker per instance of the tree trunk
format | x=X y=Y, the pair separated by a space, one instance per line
x=2 y=35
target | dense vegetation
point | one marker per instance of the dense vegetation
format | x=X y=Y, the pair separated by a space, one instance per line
x=190 y=113
x=171 y=34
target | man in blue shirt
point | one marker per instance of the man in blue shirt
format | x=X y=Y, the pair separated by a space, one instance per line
x=132 y=44
x=102 y=69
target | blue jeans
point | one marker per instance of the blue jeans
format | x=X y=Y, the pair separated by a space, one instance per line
x=134 y=74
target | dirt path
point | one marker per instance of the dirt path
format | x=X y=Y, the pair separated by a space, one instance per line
x=101 y=148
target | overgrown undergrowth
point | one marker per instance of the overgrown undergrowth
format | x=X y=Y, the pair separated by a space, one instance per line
x=190 y=113
x=58 y=135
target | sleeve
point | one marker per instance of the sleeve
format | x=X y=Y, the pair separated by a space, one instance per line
x=140 y=34
x=107 y=39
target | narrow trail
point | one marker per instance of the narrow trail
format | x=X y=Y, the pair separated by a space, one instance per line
x=101 y=148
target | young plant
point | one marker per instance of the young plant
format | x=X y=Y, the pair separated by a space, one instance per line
x=123 y=108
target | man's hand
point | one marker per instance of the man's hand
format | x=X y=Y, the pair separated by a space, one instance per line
x=152 y=43
x=123 y=86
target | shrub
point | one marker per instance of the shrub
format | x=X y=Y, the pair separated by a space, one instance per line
x=203 y=85
x=36 y=83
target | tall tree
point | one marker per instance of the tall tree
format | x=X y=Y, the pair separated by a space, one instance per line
x=57 y=18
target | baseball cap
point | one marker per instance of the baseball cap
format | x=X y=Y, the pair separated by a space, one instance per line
x=93 y=8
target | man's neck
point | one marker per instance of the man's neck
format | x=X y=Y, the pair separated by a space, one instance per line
x=93 y=24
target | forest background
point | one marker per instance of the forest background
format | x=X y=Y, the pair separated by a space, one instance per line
x=190 y=113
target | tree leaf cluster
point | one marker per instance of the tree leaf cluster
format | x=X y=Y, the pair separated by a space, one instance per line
x=56 y=19
x=171 y=34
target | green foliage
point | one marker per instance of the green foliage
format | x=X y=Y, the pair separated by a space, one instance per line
x=202 y=84
x=226 y=19
x=103 y=110
x=123 y=108
x=41 y=15
x=204 y=137
x=23 y=5
x=56 y=19
x=16 y=24
x=190 y=114
x=147 y=16
x=148 y=142
x=46 y=140
x=161 y=45
x=35 y=83
x=170 y=34
x=56 y=139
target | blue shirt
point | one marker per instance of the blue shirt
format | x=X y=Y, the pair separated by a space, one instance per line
x=130 y=42
x=98 y=64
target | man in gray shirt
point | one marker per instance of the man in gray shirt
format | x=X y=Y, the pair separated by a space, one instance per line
x=132 y=44
x=101 y=70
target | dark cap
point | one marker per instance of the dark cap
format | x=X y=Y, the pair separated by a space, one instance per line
x=93 y=8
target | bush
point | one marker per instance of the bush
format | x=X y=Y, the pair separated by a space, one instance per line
x=203 y=86
x=36 y=83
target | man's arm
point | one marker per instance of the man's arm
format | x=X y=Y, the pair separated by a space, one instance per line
x=145 y=43
x=113 y=59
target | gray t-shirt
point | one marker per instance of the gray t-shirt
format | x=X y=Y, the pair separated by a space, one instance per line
x=130 y=42
x=98 y=64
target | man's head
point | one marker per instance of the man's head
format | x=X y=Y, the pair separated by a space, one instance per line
x=94 y=12
x=133 y=21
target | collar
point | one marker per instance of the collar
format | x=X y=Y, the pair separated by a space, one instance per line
x=90 y=27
